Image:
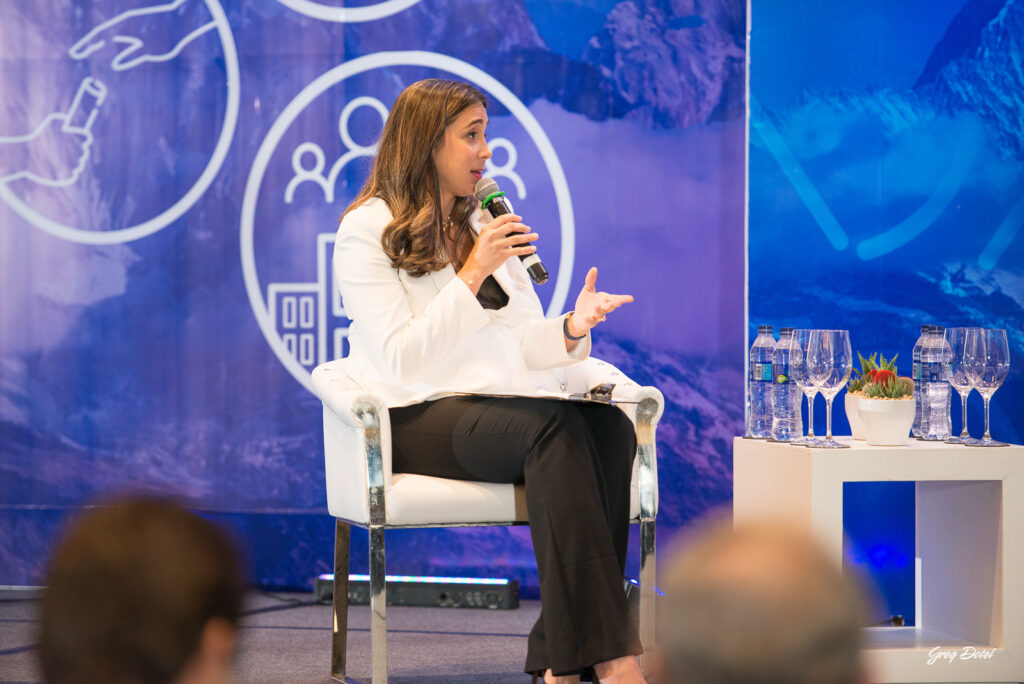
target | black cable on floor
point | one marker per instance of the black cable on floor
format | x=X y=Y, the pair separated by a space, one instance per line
x=276 y=597
x=289 y=604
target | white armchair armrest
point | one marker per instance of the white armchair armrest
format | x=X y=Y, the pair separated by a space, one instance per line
x=338 y=393
x=357 y=445
x=592 y=372
x=643 y=404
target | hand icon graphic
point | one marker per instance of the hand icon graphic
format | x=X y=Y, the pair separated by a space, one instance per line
x=53 y=154
x=149 y=34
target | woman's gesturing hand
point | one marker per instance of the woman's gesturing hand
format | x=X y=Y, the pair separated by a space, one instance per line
x=592 y=306
x=500 y=239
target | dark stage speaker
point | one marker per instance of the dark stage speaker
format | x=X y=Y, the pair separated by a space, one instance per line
x=444 y=592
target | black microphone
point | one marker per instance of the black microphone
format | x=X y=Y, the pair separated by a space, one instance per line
x=492 y=200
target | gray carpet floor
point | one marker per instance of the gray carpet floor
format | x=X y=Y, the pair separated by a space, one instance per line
x=286 y=638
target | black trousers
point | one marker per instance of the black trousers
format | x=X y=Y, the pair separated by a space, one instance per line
x=576 y=461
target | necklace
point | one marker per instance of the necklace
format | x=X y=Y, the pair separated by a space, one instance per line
x=449 y=238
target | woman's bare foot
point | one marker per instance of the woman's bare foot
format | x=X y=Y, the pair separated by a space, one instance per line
x=624 y=670
x=565 y=679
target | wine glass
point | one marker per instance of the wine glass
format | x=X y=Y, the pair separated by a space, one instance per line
x=987 y=358
x=829 y=361
x=802 y=377
x=956 y=338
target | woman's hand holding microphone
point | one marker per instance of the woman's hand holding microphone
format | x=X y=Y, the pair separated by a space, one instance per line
x=500 y=239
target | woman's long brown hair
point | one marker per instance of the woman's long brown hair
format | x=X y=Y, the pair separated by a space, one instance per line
x=404 y=176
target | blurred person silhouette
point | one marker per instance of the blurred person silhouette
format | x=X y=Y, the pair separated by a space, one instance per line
x=140 y=591
x=759 y=604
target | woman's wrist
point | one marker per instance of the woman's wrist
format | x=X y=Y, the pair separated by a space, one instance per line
x=570 y=330
x=472 y=277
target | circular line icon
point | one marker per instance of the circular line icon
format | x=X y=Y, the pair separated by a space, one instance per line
x=357 y=66
x=348 y=14
x=175 y=211
x=957 y=170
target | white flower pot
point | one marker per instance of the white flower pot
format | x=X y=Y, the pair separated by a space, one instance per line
x=887 y=422
x=852 y=406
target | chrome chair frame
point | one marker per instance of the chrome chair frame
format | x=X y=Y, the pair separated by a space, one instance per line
x=645 y=415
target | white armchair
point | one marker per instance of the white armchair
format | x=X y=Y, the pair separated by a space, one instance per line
x=362 y=490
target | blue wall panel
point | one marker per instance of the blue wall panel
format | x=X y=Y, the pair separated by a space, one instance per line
x=886 y=177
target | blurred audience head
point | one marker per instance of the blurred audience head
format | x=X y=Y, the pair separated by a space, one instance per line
x=140 y=591
x=758 y=604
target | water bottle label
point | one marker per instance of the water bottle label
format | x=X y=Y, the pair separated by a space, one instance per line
x=932 y=372
x=781 y=373
x=761 y=372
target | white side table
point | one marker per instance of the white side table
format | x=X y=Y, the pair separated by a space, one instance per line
x=970 y=542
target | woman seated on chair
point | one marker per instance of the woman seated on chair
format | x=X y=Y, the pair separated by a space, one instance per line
x=438 y=307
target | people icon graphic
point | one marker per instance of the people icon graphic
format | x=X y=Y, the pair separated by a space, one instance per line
x=353 y=151
x=309 y=159
x=507 y=169
x=55 y=153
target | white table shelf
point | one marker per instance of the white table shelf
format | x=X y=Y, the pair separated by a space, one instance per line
x=969 y=538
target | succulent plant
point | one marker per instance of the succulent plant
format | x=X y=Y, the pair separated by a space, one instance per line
x=887 y=385
x=868 y=368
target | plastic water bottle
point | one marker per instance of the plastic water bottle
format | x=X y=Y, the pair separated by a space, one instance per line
x=935 y=359
x=759 y=407
x=786 y=423
x=916 y=377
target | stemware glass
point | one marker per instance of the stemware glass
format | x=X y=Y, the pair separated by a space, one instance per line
x=987 y=358
x=829 y=361
x=802 y=377
x=958 y=378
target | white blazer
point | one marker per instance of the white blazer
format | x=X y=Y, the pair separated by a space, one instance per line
x=415 y=339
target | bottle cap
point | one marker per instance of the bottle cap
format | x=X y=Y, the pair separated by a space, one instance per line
x=925 y=327
x=938 y=329
x=786 y=331
x=765 y=329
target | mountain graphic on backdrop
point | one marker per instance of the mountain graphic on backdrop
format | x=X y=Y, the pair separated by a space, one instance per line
x=976 y=66
x=676 y=64
x=664 y=64
x=973 y=69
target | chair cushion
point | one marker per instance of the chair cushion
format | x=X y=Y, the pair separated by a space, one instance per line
x=424 y=500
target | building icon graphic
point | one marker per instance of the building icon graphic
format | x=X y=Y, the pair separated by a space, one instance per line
x=309 y=317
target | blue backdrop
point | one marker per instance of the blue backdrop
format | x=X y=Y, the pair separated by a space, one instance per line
x=171 y=176
x=886 y=186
